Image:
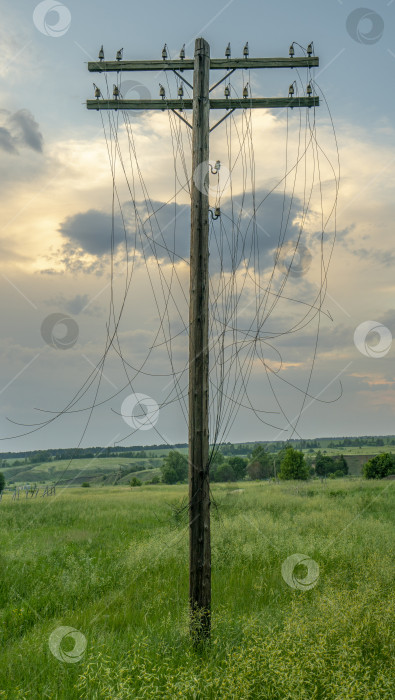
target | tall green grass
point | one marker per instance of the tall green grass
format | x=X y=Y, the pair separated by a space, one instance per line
x=113 y=564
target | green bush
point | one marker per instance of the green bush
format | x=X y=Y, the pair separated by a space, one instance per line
x=293 y=465
x=325 y=466
x=233 y=469
x=261 y=464
x=174 y=467
x=135 y=482
x=380 y=466
x=239 y=466
x=223 y=472
x=85 y=484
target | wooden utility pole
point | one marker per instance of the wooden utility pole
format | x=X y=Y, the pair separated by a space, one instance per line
x=201 y=104
x=199 y=492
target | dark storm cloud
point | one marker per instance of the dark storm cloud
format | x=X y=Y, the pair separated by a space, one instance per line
x=165 y=233
x=20 y=130
x=7 y=141
x=91 y=232
x=27 y=130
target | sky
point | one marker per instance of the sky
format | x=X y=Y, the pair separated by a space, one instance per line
x=55 y=231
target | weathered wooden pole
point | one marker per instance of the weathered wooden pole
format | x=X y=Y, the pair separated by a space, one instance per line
x=199 y=493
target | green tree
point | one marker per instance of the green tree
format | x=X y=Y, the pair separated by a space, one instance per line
x=239 y=466
x=40 y=456
x=341 y=464
x=380 y=466
x=337 y=474
x=293 y=465
x=135 y=482
x=2 y=482
x=309 y=464
x=324 y=465
x=174 y=467
x=261 y=464
x=216 y=459
x=224 y=472
x=256 y=471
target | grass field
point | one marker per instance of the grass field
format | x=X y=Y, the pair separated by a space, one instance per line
x=112 y=563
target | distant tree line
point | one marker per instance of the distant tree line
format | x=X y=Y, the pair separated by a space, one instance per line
x=231 y=462
x=361 y=442
x=261 y=464
x=228 y=449
x=66 y=453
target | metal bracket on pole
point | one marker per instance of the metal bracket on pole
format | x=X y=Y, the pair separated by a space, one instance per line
x=222 y=79
x=182 y=119
x=182 y=78
x=223 y=119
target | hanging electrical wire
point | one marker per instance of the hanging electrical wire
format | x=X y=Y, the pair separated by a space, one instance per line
x=248 y=300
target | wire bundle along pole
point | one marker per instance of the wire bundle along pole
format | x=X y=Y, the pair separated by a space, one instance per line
x=199 y=492
x=198 y=418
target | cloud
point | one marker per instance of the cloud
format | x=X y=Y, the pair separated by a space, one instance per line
x=162 y=230
x=92 y=232
x=11 y=253
x=27 y=130
x=7 y=141
x=388 y=319
x=20 y=129
x=74 y=305
x=384 y=257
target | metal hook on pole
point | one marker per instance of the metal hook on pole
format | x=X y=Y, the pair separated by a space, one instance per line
x=214 y=169
x=216 y=215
